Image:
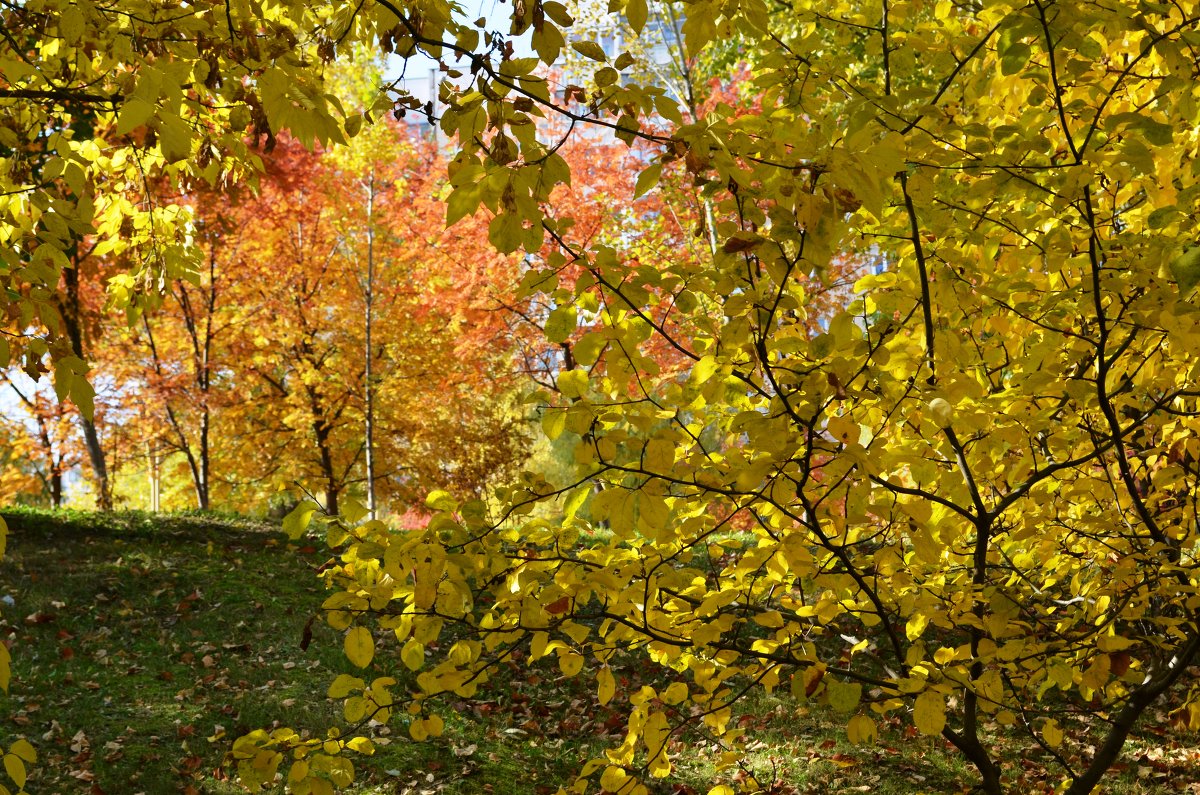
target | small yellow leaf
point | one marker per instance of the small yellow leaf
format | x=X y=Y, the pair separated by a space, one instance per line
x=1052 y=734
x=606 y=685
x=844 y=696
x=15 y=769
x=361 y=744
x=296 y=522
x=23 y=749
x=861 y=730
x=675 y=693
x=590 y=49
x=613 y=778
x=413 y=654
x=570 y=663
x=360 y=646
x=344 y=685
x=942 y=412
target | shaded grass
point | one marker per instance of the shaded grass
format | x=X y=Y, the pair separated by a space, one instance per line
x=144 y=644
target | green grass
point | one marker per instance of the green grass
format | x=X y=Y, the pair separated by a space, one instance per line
x=144 y=644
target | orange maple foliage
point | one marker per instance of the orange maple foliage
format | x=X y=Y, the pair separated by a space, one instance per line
x=253 y=372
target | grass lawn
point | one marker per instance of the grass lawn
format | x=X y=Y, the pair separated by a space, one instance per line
x=143 y=645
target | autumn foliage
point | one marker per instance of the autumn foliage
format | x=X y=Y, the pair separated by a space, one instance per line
x=873 y=381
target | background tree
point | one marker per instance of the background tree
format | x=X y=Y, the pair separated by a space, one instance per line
x=42 y=447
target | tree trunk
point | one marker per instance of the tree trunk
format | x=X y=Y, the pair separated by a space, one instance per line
x=91 y=436
x=369 y=353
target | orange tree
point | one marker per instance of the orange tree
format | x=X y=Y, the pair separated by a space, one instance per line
x=971 y=488
x=259 y=372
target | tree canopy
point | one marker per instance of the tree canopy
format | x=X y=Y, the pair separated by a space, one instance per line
x=966 y=495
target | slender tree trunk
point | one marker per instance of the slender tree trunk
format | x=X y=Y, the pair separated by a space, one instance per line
x=56 y=488
x=155 y=478
x=203 y=498
x=91 y=436
x=369 y=353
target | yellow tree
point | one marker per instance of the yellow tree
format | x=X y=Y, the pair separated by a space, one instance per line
x=970 y=491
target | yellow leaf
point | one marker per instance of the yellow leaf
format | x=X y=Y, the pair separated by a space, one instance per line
x=647 y=180
x=916 y=626
x=589 y=49
x=1052 y=734
x=573 y=383
x=23 y=749
x=929 y=713
x=15 y=769
x=344 y=685
x=134 y=113
x=606 y=685
x=570 y=663
x=296 y=522
x=361 y=744
x=844 y=696
x=413 y=654
x=861 y=730
x=637 y=12
x=613 y=778
x=675 y=693
x=360 y=646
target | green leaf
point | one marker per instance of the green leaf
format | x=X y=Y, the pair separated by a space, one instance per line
x=174 y=138
x=71 y=26
x=504 y=232
x=359 y=645
x=1014 y=58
